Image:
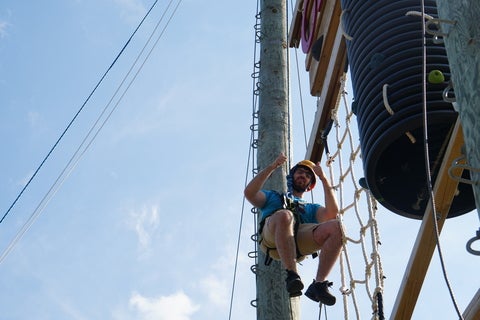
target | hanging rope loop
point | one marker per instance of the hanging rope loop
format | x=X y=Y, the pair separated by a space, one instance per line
x=470 y=243
x=387 y=106
x=324 y=136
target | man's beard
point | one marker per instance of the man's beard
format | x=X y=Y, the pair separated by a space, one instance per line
x=298 y=188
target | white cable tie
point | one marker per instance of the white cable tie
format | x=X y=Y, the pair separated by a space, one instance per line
x=385 y=99
x=391 y=112
x=347 y=36
x=418 y=14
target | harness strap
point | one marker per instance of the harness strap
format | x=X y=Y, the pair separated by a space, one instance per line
x=285 y=205
x=268 y=258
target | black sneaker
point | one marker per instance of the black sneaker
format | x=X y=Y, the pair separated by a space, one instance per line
x=318 y=292
x=294 y=284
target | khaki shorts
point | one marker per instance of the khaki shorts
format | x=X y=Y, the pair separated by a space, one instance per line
x=305 y=243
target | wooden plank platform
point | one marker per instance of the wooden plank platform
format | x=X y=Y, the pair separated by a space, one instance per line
x=326 y=72
x=425 y=244
x=472 y=312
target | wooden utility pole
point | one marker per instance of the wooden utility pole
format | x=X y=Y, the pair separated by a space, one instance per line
x=458 y=27
x=459 y=24
x=273 y=302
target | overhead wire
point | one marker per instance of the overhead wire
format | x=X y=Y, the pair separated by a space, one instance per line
x=300 y=93
x=239 y=234
x=76 y=115
x=251 y=156
x=290 y=142
x=89 y=138
x=300 y=96
x=256 y=86
x=427 y=161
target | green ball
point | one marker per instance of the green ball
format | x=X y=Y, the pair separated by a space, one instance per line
x=436 y=77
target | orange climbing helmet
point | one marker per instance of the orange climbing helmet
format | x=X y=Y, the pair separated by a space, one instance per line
x=308 y=165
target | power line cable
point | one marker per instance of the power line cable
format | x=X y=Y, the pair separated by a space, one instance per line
x=86 y=143
x=76 y=114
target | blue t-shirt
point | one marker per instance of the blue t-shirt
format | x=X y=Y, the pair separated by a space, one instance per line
x=274 y=202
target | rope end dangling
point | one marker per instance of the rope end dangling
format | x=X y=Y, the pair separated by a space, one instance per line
x=387 y=106
x=379 y=302
x=289 y=183
x=324 y=136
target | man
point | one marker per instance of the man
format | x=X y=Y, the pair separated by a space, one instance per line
x=291 y=228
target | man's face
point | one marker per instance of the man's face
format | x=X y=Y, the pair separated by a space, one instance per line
x=302 y=179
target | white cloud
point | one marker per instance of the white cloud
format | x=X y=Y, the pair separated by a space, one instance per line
x=69 y=309
x=32 y=116
x=217 y=290
x=131 y=9
x=217 y=284
x=145 y=222
x=174 y=307
x=3 y=29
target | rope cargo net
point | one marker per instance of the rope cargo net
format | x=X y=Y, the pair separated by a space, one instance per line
x=361 y=279
x=360 y=264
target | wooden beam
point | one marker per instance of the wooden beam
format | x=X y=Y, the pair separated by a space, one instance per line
x=425 y=244
x=472 y=312
x=328 y=94
x=327 y=27
x=464 y=60
x=326 y=72
x=295 y=34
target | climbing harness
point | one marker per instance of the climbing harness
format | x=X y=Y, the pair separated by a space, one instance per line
x=297 y=208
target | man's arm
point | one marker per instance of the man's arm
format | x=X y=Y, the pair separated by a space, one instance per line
x=253 y=191
x=330 y=210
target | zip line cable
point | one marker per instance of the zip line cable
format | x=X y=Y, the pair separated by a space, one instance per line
x=288 y=147
x=427 y=162
x=256 y=86
x=86 y=143
x=299 y=83
x=301 y=98
x=251 y=153
x=300 y=94
x=239 y=237
x=76 y=115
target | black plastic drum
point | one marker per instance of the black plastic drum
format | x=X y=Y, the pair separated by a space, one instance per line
x=386 y=55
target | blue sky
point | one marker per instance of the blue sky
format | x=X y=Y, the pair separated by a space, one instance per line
x=145 y=226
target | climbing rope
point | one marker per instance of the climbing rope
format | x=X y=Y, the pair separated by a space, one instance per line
x=251 y=160
x=428 y=170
